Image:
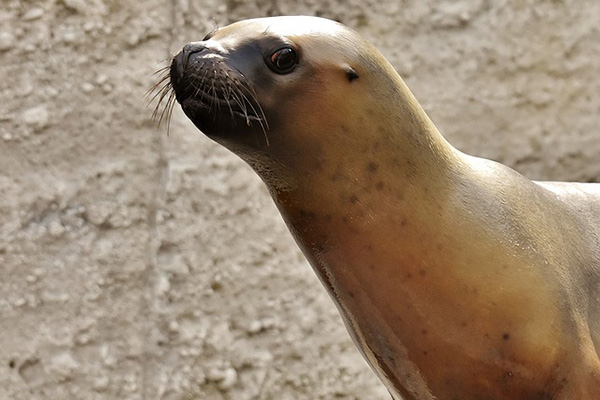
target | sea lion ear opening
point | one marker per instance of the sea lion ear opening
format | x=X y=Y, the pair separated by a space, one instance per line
x=351 y=74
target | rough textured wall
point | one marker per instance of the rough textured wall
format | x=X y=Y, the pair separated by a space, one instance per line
x=139 y=266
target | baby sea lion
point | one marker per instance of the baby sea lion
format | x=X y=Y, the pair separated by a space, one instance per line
x=457 y=277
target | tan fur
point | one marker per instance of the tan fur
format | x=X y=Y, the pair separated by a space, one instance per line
x=457 y=277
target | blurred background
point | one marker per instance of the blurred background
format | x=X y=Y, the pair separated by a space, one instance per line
x=136 y=265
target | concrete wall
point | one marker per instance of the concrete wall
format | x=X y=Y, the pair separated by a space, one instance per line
x=139 y=266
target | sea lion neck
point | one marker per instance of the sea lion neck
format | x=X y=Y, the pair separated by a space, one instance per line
x=391 y=147
x=348 y=176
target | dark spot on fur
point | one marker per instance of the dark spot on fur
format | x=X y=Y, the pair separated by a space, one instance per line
x=353 y=199
x=410 y=169
x=424 y=353
x=12 y=364
x=463 y=324
x=424 y=332
x=379 y=186
x=409 y=276
x=507 y=374
x=337 y=175
x=422 y=272
x=372 y=167
x=506 y=336
x=403 y=222
x=392 y=361
x=305 y=214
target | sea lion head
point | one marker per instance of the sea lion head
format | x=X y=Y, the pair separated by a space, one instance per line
x=242 y=76
x=280 y=91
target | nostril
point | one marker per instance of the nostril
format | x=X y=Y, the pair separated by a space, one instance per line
x=181 y=60
x=189 y=49
x=194 y=47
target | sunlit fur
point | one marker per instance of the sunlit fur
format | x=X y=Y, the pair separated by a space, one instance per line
x=457 y=277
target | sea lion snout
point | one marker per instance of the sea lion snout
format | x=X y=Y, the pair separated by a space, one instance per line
x=212 y=92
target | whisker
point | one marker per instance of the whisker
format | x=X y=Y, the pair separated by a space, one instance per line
x=250 y=100
x=162 y=114
x=162 y=81
x=162 y=69
x=228 y=92
x=213 y=90
x=160 y=93
x=262 y=119
x=163 y=94
x=253 y=95
x=170 y=105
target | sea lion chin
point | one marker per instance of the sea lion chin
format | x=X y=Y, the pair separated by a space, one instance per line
x=457 y=277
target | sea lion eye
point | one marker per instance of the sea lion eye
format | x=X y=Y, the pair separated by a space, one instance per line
x=284 y=60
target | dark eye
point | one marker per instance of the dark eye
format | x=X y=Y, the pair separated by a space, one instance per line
x=284 y=60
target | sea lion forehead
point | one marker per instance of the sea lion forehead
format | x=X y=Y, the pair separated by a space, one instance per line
x=323 y=39
x=288 y=26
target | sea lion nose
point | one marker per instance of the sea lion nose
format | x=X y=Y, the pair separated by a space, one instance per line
x=189 y=50
x=182 y=59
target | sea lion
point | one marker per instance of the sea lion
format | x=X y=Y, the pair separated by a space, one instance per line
x=457 y=277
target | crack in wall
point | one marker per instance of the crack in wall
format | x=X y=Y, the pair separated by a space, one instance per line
x=148 y=308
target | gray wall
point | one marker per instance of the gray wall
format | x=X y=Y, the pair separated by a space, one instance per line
x=139 y=266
